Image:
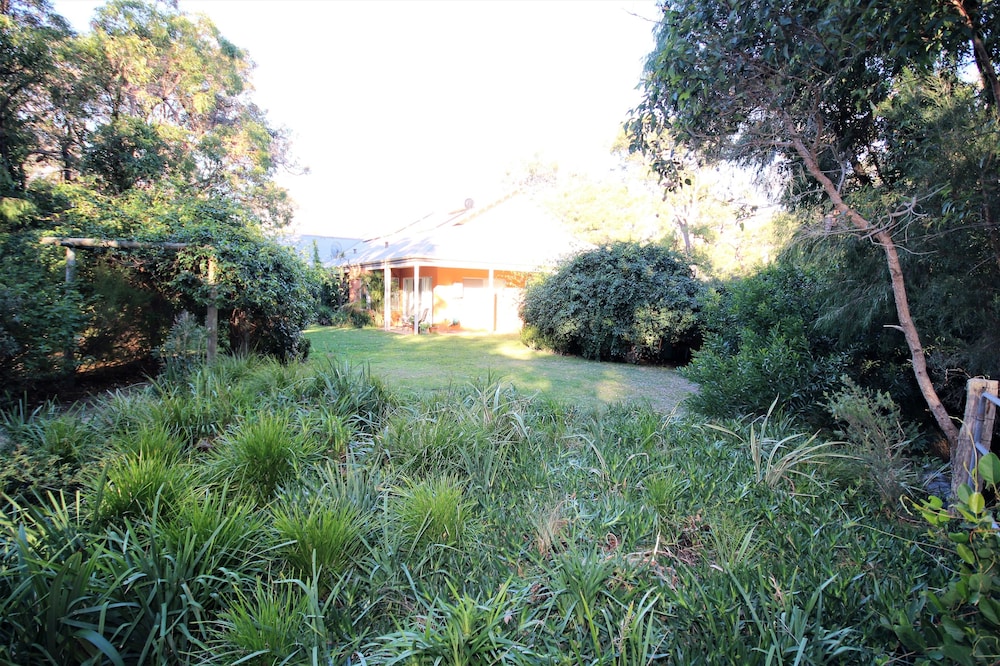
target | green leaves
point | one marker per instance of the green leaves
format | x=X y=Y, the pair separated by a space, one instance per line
x=966 y=626
x=989 y=469
x=625 y=301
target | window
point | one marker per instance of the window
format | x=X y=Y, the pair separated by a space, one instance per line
x=424 y=299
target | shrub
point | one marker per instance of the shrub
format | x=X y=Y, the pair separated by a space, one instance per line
x=960 y=624
x=760 y=345
x=186 y=345
x=40 y=319
x=43 y=449
x=877 y=439
x=623 y=302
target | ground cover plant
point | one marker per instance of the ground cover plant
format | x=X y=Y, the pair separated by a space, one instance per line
x=475 y=524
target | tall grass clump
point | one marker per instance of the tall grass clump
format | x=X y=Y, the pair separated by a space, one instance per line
x=322 y=425
x=137 y=486
x=421 y=441
x=58 y=589
x=229 y=532
x=356 y=395
x=474 y=431
x=464 y=631
x=149 y=440
x=434 y=512
x=321 y=533
x=260 y=454
x=269 y=625
x=196 y=418
x=783 y=459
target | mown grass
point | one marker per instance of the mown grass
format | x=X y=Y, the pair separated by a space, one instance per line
x=424 y=364
x=475 y=524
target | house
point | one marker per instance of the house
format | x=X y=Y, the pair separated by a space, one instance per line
x=467 y=265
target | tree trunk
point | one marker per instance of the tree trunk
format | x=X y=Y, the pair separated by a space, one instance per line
x=884 y=238
x=984 y=63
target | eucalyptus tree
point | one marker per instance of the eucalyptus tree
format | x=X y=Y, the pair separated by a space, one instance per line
x=808 y=85
x=190 y=87
x=31 y=36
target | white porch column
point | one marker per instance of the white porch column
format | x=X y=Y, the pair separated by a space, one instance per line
x=493 y=303
x=416 y=298
x=386 y=295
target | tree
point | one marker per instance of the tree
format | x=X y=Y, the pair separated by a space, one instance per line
x=143 y=130
x=30 y=38
x=804 y=84
x=190 y=87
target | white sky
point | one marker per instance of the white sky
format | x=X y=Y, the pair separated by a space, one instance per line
x=401 y=108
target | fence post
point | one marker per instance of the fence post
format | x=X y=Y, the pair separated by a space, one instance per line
x=979 y=416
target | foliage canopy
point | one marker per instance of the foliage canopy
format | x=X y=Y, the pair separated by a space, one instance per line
x=816 y=89
x=624 y=302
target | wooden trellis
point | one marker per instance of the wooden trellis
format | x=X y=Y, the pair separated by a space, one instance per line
x=212 y=312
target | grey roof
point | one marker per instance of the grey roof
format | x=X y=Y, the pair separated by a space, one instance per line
x=329 y=248
x=513 y=233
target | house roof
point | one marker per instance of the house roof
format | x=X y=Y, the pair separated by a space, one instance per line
x=329 y=248
x=513 y=233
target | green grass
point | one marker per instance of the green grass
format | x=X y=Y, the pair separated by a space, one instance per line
x=424 y=364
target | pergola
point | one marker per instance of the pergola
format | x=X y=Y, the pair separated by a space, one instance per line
x=72 y=244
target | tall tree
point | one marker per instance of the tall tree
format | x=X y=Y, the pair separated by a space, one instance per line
x=30 y=38
x=179 y=75
x=803 y=83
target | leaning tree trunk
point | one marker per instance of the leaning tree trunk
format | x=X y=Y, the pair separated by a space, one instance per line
x=884 y=238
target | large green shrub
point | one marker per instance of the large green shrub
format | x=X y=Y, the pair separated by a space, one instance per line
x=760 y=344
x=623 y=302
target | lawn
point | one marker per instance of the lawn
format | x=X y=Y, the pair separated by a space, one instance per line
x=425 y=364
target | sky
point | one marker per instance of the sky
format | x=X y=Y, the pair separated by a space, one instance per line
x=398 y=109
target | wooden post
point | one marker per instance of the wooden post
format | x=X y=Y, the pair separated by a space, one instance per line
x=212 y=314
x=493 y=301
x=70 y=265
x=979 y=417
x=70 y=352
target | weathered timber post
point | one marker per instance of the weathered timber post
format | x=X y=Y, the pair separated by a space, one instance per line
x=70 y=352
x=978 y=421
x=70 y=265
x=212 y=314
